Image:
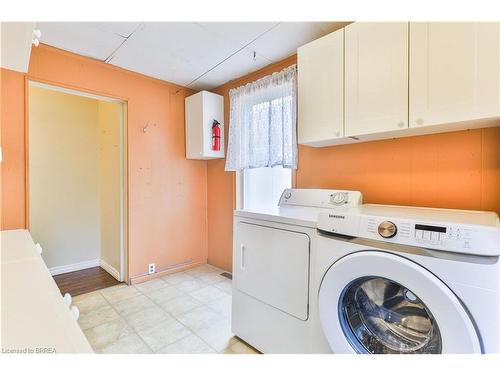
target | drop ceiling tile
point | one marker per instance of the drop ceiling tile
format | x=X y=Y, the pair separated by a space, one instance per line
x=80 y=38
x=238 y=33
x=181 y=52
x=236 y=66
x=284 y=39
x=123 y=29
x=178 y=52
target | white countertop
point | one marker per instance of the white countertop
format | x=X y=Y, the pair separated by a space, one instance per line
x=33 y=313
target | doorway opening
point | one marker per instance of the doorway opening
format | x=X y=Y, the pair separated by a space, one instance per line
x=77 y=182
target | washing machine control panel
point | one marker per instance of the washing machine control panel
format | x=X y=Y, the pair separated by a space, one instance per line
x=431 y=233
x=453 y=237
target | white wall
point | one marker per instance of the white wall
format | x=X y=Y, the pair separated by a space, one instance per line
x=75 y=179
x=64 y=176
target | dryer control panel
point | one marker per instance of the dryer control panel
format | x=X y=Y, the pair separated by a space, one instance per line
x=322 y=198
x=418 y=227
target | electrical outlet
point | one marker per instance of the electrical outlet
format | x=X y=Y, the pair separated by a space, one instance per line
x=151 y=268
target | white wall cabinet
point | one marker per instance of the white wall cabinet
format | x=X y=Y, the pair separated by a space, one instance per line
x=399 y=80
x=15 y=43
x=454 y=72
x=321 y=89
x=376 y=77
x=201 y=111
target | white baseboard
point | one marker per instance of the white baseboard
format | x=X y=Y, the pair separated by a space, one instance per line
x=74 y=267
x=110 y=269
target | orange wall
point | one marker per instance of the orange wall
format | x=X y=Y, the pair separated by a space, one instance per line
x=449 y=170
x=221 y=185
x=167 y=192
x=13 y=136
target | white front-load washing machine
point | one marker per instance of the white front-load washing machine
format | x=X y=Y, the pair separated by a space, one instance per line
x=271 y=268
x=390 y=279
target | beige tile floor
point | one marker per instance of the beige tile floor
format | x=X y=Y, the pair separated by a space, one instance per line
x=185 y=312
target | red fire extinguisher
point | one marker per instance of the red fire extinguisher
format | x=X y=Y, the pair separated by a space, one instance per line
x=216 y=135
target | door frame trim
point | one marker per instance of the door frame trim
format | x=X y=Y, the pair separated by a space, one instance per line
x=124 y=196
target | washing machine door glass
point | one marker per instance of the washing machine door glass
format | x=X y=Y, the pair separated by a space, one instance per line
x=380 y=316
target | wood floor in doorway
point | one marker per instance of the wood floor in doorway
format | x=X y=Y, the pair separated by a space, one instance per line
x=84 y=281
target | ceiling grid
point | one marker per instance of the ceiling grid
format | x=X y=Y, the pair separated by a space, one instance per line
x=199 y=55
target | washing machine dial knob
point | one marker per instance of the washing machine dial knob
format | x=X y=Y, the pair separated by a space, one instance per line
x=338 y=198
x=387 y=229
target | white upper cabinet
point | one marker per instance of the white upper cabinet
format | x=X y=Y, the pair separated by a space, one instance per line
x=204 y=110
x=376 y=77
x=454 y=72
x=321 y=89
x=396 y=79
x=15 y=43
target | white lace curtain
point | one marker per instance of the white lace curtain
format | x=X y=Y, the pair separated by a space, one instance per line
x=262 y=123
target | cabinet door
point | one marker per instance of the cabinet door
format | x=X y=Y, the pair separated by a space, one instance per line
x=454 y=72
x=321 y=89
x=272 y=265
x=376 y=77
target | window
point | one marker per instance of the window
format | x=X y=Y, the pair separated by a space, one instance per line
x=262 y=123
x=262 y=145
x=262 y=187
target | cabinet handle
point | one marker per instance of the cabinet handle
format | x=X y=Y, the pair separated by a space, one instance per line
x=242 y=257
x=337 y=134
x=67 y=299
x=401 y=124
x=75 y=312
x=420 y=121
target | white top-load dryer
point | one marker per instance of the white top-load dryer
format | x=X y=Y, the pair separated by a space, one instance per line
x=271 y=259
x=390 y=279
